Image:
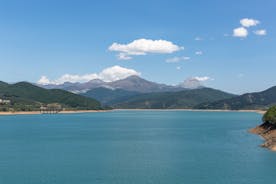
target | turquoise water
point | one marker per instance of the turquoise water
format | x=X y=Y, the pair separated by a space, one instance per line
x=134 y=147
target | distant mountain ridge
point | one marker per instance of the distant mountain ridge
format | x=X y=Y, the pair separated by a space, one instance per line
x=257 y=100
x=26 y=96
x=172 y=100
x=131 y=83
x=110 y=96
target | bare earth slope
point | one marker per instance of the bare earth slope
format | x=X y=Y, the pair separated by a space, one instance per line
x=268 y=132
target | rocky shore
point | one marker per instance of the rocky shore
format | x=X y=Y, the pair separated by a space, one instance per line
x=268 y=132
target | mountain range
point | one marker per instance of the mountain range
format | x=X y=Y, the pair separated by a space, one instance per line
x=131 y=83
x=172 y=100
x=201 y=98
x=257 y=100
x=132 y=92
x=135 y=92
x=109 y=97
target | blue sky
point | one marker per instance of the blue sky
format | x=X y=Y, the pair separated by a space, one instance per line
x=56 y=37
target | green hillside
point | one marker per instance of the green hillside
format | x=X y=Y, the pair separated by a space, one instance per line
x=25 y=97
x=258 y=100
x=270 y=116
x=109 y=96
x=173 y=100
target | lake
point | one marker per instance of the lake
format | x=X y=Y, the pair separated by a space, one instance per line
x=134 y=147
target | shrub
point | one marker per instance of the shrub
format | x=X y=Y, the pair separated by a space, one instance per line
x=270 y=116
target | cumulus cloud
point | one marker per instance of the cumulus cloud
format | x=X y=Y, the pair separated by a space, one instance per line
x=108 y=75
x=240 y=32
x=74 y=78
x=144 y=47
x=44 y=80
x=246 y=22
x=202 y=79
x=67 y=78
x=116 y=73
x=177 y=59
x=199 y=52
x=261 y=32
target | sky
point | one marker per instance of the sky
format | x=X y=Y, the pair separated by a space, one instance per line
x=227 y=45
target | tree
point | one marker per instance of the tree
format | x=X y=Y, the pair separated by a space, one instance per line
x=270 y=116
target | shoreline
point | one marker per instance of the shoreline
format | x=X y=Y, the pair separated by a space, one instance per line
x=90 y=111
x=195 y=110
x=268 y=133
x=61 y=112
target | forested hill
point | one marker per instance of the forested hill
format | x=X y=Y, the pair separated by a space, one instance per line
x=173 y=100
x=24 y=96
x=257 y=100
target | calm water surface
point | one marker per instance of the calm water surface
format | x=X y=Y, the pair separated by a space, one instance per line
x=134 y=147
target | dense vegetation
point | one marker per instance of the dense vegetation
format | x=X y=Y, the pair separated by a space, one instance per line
x=259 y=100
x=173 y=100
x=24 y=96
x=109 y=96
x=270 y=116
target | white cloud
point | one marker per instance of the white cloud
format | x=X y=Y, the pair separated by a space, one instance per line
x=246 y=23
x=178 y=67
x=144 y=47
x=43 y=80
x=74 y=78
x=199 y=52
x=261 y=32
x=202 y=79
x=108 y=75
x=177 y=59
x=116 y=73
x=249 y=22
x=240 y=32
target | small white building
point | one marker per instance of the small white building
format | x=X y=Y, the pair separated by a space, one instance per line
x=4 y=102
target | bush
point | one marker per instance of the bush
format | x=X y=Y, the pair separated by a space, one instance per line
x=270 y=116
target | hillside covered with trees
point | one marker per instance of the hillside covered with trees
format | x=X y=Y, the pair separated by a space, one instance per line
x=24 y=96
